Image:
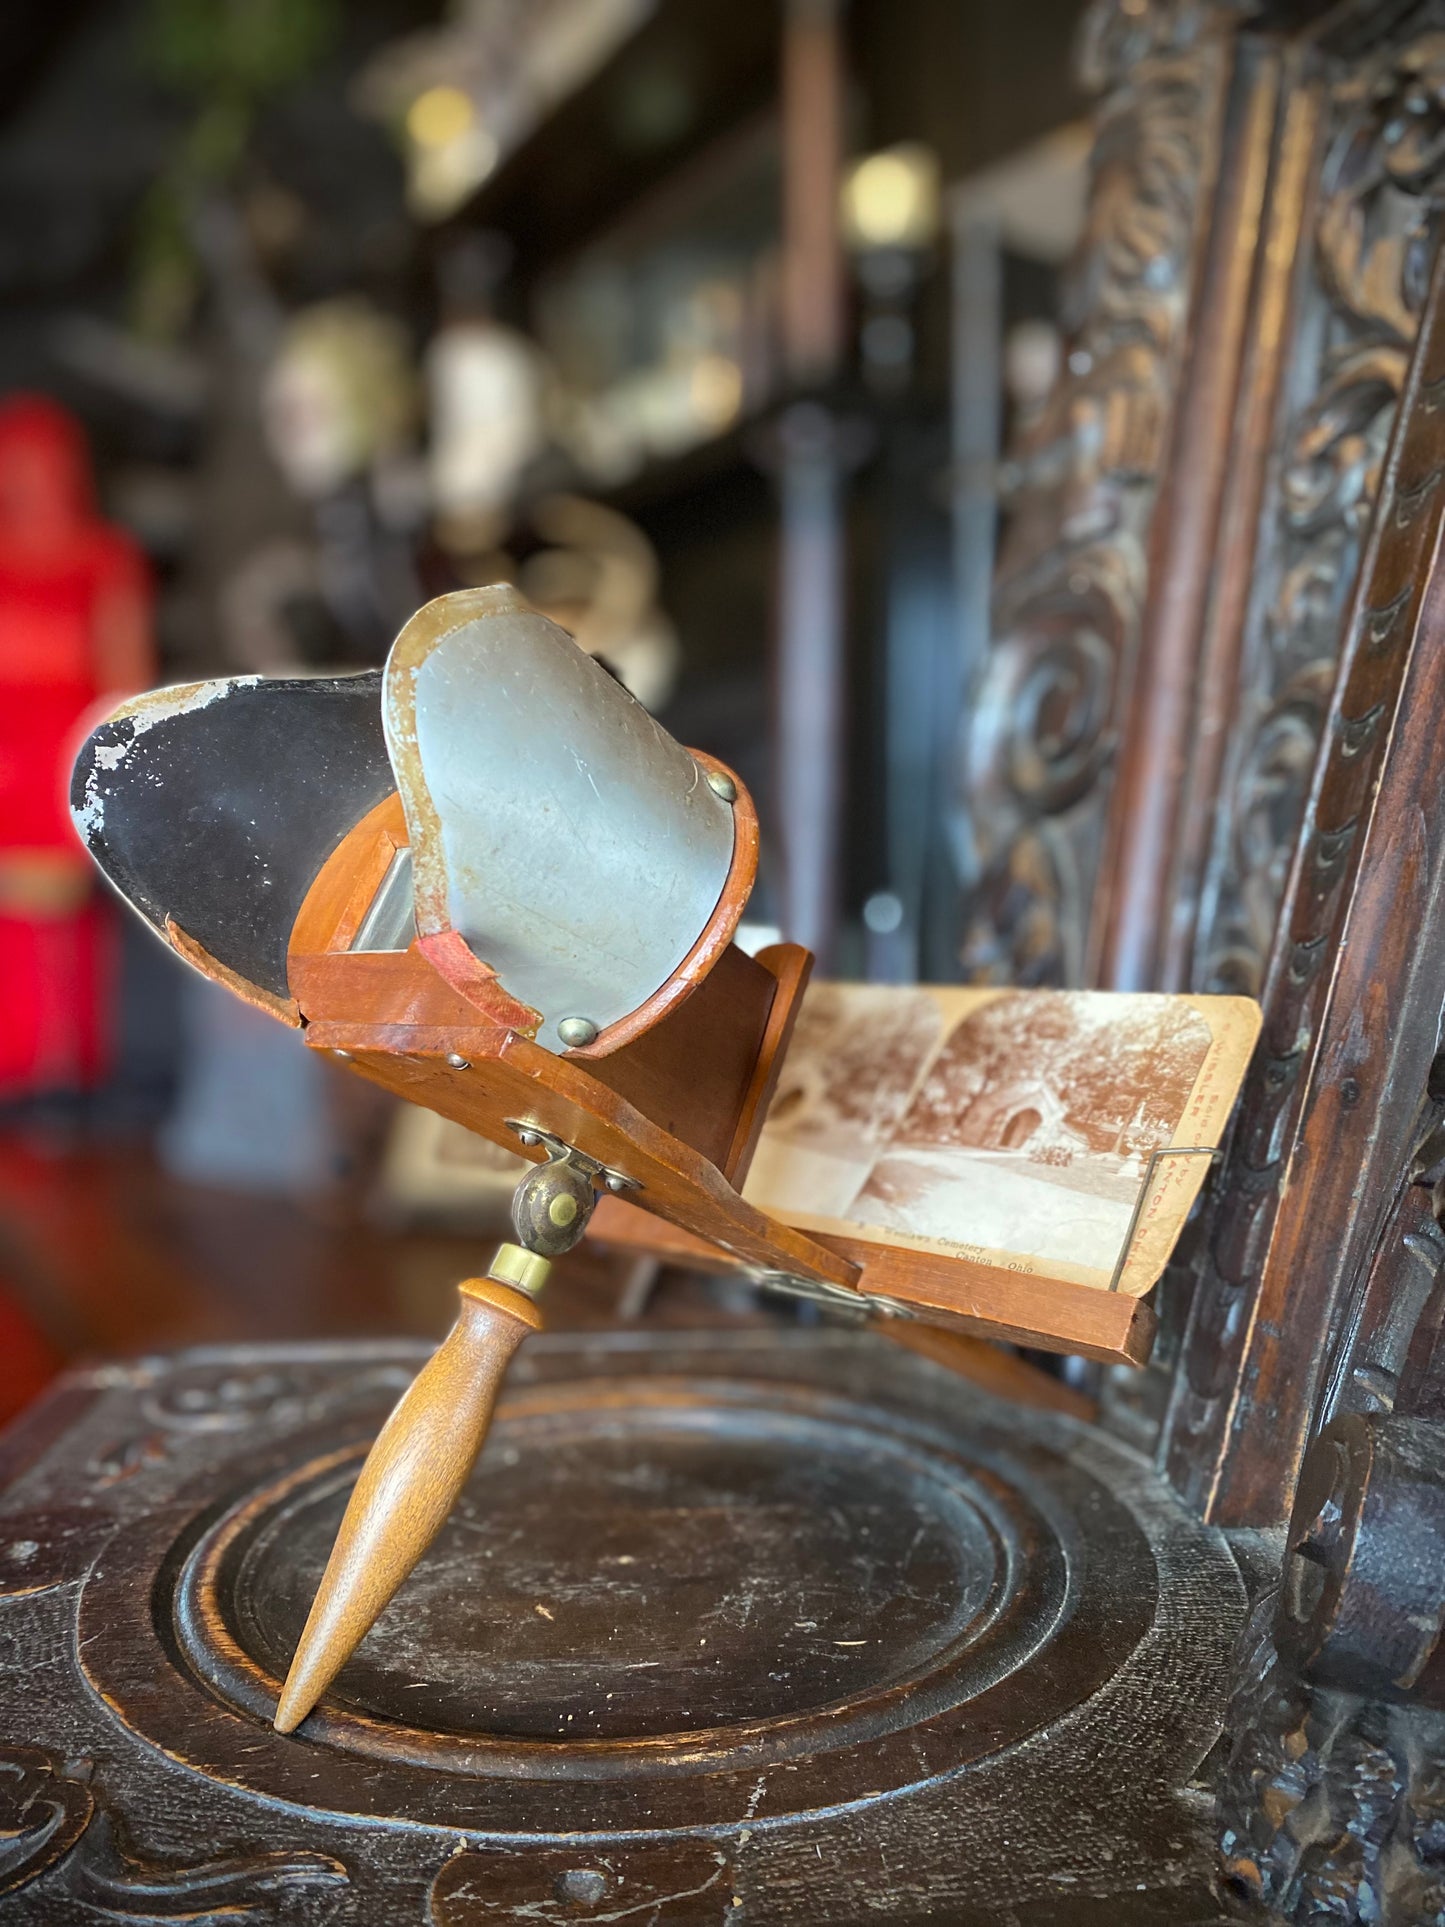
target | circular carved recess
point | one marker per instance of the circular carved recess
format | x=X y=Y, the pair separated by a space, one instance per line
x=692 y=1598
x=621 y=1585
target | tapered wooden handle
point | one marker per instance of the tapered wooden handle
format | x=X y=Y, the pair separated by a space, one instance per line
x=408 y=1485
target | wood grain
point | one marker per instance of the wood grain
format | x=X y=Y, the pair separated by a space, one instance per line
x=507 y=1076
x=1333 y=1105
x=333 y=908
x=791 y=966
x=981 y=1300
x=1084 y=561
x=915 y=1603
x=1128 y=927
x=993 y=1303
x=692 y=1070
x=1293 y=89
x=409 y=1484
x=987 y=1364
x=681 y=1100
x=284 y=1009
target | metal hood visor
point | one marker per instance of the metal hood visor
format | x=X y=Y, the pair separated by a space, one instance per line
x=561 y=832
x=212 y=807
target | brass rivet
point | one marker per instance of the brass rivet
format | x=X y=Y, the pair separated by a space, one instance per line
x=562 y=1210
x=457 y=1061
x=721 y=784
x=576 y=1032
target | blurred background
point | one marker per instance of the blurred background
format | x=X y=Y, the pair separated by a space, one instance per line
x=703 y=321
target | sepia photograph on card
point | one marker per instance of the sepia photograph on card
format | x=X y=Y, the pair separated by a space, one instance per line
x=1059 y=1134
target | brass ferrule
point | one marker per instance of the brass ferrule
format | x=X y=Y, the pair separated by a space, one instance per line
x=513 y=1265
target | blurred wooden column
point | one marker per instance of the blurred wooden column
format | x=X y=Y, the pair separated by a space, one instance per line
x=812 y=163
x=976 y=429
x=810 y=456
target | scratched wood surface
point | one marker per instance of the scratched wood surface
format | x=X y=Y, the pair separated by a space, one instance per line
x=736 y=1627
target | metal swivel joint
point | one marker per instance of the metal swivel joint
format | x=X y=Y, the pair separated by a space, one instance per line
x=552 y=1204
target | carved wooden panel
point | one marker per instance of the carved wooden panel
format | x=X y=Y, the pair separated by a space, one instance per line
x=1331 y=1804
x=1208 y=607
x=757 y=1626
x=1187 y=514
x=1076 y=567
x=1355 y=211
x=1340 y=1098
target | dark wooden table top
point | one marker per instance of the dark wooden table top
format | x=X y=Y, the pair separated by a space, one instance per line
x=748 y=1625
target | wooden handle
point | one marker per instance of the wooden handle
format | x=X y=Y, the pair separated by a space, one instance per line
x=408 y=1485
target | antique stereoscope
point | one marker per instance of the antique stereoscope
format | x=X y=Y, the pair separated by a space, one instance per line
x=486 y=879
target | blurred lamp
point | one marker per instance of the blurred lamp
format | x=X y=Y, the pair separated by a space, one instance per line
x=440 y=116
x=890 y=213
x=890 y=200
x=450 y=151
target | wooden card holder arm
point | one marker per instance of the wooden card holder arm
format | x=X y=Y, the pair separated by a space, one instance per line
x=976 y=1301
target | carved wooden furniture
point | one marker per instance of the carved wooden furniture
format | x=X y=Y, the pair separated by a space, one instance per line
x=1205 y=754
x=962 y=1659
x=759 y=1626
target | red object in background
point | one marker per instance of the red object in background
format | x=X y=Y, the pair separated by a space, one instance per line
x=28 y=1360
x=75 y=606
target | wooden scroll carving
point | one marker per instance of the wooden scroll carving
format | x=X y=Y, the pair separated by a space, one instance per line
x=1361 y=185
x=52 y=1819
x=1330 y=1802
x=1082 y=486
x=1339 y=1099
x=1199 y=751
x=1324 y=779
